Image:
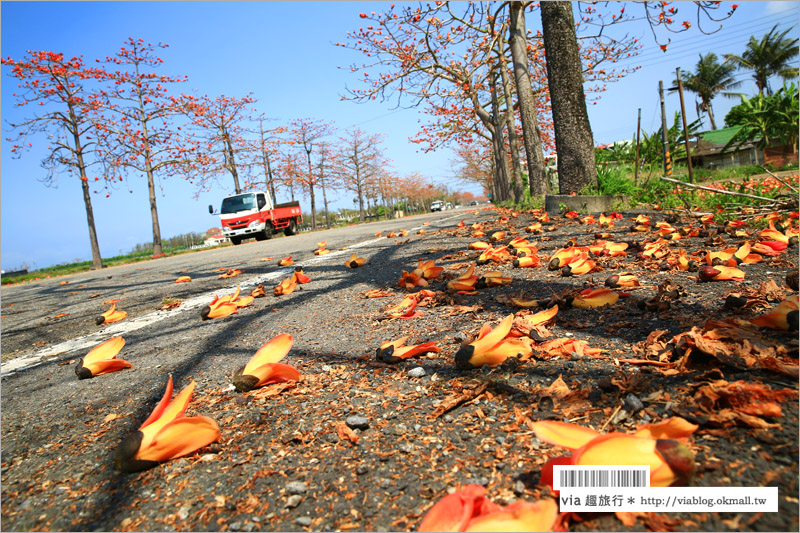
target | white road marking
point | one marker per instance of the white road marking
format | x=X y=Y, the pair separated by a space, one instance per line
x=38 y=357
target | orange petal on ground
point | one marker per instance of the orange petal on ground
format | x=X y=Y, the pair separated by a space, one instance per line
x=777 y=318
x=183 y=279
x=286 y=286
x=106 y=366
x=672 y=428
x=222 y=309
x=454 y=511
x=519 y=516
x=274 y=373
x=623 y=449
x=300 y=277
x=272 y=351
x=542 y=317
x=178 y=438
x=405 y=352
x=570 y=436
x=495 y=336
x=105 y=350
x=595 y=298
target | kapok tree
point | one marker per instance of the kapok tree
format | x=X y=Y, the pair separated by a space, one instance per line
x=56 y=86
x=138 y=132
x=219 y=123
x=305 y=134
x=360 y=158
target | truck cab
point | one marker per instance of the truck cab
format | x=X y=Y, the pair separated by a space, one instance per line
x=252 y=214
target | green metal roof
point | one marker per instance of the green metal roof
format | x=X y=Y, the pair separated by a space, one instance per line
x=721 y=136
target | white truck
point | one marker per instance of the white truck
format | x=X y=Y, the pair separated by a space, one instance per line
x=252 y=214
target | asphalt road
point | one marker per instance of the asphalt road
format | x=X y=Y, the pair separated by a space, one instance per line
x=50 y=319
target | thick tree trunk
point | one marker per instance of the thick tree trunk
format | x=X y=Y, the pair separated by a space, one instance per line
x=574 y=143
x=537 y=175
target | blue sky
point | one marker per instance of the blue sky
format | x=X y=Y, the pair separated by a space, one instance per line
x=283 y=52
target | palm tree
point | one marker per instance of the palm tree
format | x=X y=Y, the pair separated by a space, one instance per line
x=772 y=55
x=709 y=79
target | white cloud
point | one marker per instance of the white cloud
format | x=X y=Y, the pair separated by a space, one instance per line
x=774 y=6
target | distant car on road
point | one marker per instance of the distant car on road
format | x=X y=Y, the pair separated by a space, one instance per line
x=448 y=205
x=438 y=205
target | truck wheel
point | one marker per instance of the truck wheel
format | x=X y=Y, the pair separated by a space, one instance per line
x=236 y=240
x=269 y=230
x=291 y=229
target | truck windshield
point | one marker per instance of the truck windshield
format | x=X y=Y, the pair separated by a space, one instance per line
x=240 y=202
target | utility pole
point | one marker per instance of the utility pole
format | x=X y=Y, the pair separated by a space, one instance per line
x=664 y=136
x=636 y=168
x=685 y=128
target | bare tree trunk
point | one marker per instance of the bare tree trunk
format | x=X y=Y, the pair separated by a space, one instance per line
x=511 y=126
x=97 y=260
x=537 y=174
x=311 y=192
x=231 y=162
x=324 y=199
x=499 y=148
x=151 y=188
x=574 y=143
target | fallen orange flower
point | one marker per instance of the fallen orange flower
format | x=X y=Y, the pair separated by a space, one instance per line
x=527 y=261
x=405 y=309
x=183 y=279
x=707 y=219
x=492 y=278
x=322 y=244
x=542 y=317
x=460 y=224
x=659 y=445
x=465 y=282
x=429 y=269
x=321 y=251
x=578 y=265
x=286 y=261
x=494 y=254
x=479 y=245
x=492 y=347
x=770 y=248
x=264 y=367
x=355 y=261
x=286 y=286
x=720 y=273
x=230 y=273
x=300 y=276
x=571 y=214
x=102 y=359
x=535 y=228
x=110 y=316
x=783 y=317
x=626 y=279
x=166 y=434
x=469 y=510
x=595 y=298
x=410 y=280
x=498 y=236
x=394 y=351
